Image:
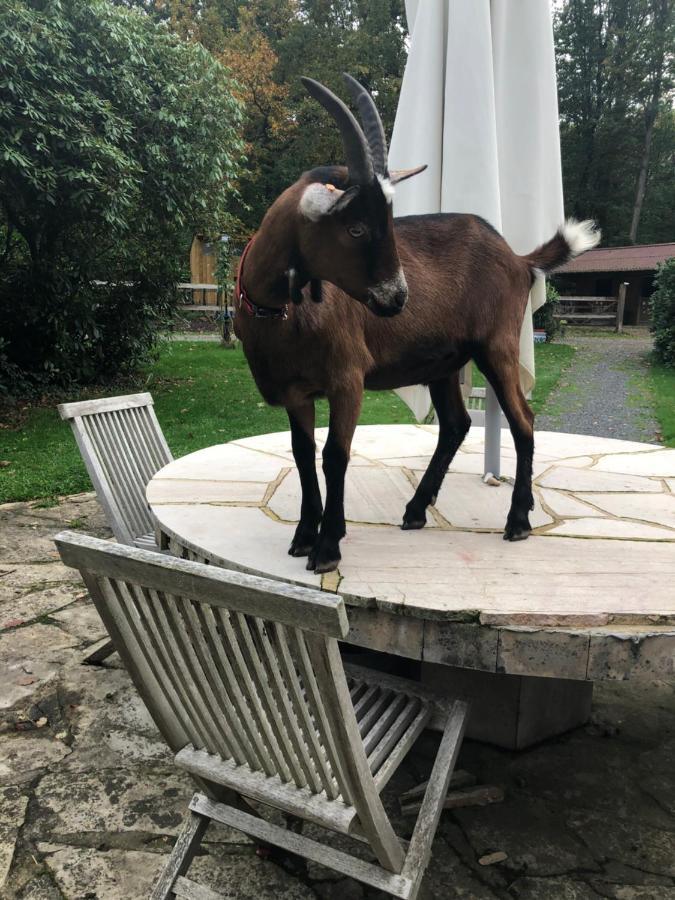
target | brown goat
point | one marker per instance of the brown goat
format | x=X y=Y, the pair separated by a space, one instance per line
x=444 y=289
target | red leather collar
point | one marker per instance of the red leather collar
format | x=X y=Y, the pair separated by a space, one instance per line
x=253 y=309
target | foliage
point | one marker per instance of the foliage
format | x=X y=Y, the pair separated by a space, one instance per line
x=268 y=45
x=615 y=86
x=662 y=304
x=117 y=142
x=544 y=317
x=663 y=389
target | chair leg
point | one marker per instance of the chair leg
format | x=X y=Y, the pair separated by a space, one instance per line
x=187 y=844
x=100 y=652
x=419 y=849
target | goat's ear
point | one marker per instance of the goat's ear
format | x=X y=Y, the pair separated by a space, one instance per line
x=401 y=174
x=319 y=200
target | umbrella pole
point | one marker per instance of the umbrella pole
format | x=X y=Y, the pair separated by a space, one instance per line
x=493 y=428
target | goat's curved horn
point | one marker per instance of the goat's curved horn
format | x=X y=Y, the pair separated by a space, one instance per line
x=372 y=123
x=357 y=152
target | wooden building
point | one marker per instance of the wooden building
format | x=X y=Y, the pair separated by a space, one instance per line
x=601 y=272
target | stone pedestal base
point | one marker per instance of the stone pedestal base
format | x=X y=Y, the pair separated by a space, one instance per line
x=514 y=711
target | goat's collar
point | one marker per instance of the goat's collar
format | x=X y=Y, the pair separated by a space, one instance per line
x=253 y=309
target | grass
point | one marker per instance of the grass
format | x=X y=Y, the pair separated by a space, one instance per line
x=551 y=360
x=203 y=395
x=663 y=384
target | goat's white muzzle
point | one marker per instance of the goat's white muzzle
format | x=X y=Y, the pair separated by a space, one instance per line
x=388 y=297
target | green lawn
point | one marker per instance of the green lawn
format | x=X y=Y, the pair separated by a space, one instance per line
x=203 y=395
x=550 y=361
x=663 y=382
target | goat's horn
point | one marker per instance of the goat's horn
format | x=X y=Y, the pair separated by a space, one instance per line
x=359 y=161
x=372 y=123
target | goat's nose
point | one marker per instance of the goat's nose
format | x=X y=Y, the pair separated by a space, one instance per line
x=400 y=298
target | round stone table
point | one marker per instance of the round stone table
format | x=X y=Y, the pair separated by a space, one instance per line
x=590 y=595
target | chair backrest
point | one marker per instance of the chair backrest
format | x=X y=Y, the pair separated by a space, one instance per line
x=122 y=446
x=242 y=667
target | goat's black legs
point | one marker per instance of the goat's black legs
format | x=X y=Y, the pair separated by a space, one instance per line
x=453 y=422
x=502 y=373
x=345 y=406
x=304 y=451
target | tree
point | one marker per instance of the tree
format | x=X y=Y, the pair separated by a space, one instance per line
x=615 y=84
x=117 y=142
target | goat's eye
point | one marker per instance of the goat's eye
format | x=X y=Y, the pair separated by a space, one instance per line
x=356 y=231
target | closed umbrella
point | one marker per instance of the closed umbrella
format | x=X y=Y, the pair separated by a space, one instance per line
x=479 y=104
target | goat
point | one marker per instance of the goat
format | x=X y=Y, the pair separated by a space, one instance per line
x=432 y=292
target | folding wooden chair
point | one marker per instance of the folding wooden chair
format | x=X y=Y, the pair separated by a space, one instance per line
x=244 y=679
x=122 y=446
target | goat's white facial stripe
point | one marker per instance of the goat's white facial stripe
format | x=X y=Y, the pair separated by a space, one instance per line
x=317 y=200
x=387 y=188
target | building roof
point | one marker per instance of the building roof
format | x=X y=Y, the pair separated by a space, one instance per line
x=636 y=257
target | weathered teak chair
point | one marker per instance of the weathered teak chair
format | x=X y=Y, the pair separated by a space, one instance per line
x=122 y=446
x=244 y=679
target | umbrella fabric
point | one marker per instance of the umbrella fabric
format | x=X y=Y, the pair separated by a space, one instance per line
x=479 y=105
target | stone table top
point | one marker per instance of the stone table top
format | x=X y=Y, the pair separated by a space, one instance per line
x=602 y=552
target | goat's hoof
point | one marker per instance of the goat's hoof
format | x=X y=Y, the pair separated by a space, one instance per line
x=324 y=557
x=413 y=518
x=517 y=532
x=413 y=524
x=298 y=548
x=304 y=539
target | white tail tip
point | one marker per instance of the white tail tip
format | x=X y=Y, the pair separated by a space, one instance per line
x=580 y=236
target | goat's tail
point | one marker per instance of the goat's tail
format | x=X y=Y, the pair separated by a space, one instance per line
x=571 y=239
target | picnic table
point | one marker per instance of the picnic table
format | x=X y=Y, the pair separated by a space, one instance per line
x=522 y=629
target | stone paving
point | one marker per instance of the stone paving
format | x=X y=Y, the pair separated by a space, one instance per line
x=90 y=802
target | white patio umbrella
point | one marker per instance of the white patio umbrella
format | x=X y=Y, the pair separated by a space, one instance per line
x=479 y=105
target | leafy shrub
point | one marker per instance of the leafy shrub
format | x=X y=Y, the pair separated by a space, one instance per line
x=663 y=313
x=118 y=141
x=544 y=316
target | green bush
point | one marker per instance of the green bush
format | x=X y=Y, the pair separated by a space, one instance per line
x=544 y=316
x=663 y=313
x=118 y=141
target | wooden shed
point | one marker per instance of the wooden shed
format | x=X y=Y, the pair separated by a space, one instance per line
x=203 y=262
x=600 y=273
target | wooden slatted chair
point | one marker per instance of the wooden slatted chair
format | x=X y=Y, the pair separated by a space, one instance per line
x=122 y=446
x=244 y=679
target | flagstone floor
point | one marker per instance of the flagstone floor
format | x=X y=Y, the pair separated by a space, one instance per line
x=90 y=802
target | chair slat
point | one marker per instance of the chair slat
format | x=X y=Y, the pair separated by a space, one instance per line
x=104 y=449
x=382 y=740
x=274 y=758
x=290 y=770
x=225 y=743
x=316 y=706
x=226 y=714
x=194 y=702
x=300 y=707
x=237 y=698
x=281 y=693
x=128 y=598
x=380 y=726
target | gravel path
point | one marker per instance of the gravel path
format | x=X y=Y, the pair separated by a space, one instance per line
x=605 y=391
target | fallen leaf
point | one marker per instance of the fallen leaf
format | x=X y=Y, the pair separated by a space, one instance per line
x=4 y=463
x=25 y=680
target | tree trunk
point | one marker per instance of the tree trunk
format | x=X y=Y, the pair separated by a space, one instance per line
x=661 y=12
x=642 y=177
